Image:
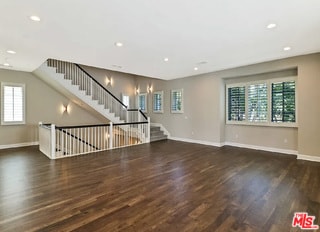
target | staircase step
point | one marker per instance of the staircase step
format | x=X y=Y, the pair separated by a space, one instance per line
x=158 y=138
x=156 y=134
x=155 y=128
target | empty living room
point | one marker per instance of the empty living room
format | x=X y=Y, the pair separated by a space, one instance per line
x=159 y=115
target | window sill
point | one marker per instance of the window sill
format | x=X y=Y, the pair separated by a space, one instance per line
x=12 y=123
x=267 y=124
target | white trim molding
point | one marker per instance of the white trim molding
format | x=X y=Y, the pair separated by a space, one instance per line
x=248 y=146
x=262 y=148
x=18 y=145
x=197 y=141
x=270 y=149
x=308 y=158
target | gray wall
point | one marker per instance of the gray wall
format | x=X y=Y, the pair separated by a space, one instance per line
x=43 y=103
x=122 y=83
x=204 y=107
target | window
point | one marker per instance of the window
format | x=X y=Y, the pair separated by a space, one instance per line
x=142 y=102
x=125 y=100
x=258 y=102
x=177 y=101
x=158 y=102
x=283 y=102
x=270 y=102
x=236 y=103
x=13 y=103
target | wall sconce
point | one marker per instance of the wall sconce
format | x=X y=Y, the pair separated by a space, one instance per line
x=65 y=109
x=150 y=89
x=137 y=90
x=108 y=81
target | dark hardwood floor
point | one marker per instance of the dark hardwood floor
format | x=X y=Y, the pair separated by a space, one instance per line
x=163 y=186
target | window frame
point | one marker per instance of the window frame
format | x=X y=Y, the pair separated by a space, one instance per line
x=23 y=86
x=123 y=100
x=145 y=102
x=269 y=121
x=161 y=102
x=171 y=105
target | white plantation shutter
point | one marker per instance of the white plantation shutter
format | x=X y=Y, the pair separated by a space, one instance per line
x=177 y=101
x=258 y=102
x=262 y=102
x=13 y=103
x=283 y=101
x=158 y=102
x=236 y=103
x=142 y=102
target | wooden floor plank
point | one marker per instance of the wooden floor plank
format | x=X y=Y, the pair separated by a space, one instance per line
x=162 y=186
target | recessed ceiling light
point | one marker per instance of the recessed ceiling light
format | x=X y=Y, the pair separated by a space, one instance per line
x=118 y=44
x=166 y=59
x=6 y=64
x=35 y=18
x=195 y=68
x=271 y=25
x=287 y=48
x=11 y=52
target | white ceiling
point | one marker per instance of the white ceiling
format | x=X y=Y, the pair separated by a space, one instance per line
x=223 y=33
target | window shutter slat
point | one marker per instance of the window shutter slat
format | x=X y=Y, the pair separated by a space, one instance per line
x=236 y=103
x=283 y=102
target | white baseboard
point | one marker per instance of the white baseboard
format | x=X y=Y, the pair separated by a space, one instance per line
x=308 y=158
x=197 y=141
x=270 y=149
x=18 y=145
x=262 y=148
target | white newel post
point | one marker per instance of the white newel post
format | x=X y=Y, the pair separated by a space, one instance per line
x=139 y=116
x=148 y=138
x=111 y=135
x=53 y=141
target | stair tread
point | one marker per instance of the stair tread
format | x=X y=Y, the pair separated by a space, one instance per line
x=158 y=138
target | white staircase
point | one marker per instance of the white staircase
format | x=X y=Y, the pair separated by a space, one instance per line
x=126 y=127
x=72 y=81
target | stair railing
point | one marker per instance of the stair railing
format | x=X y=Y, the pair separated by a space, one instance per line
x=96 y=90
x=59 y=142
